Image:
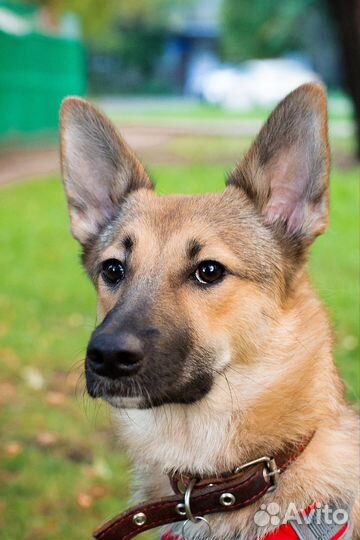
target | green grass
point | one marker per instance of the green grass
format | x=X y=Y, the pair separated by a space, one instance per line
x=335 y=270
x=159 y=111
x=61 y=487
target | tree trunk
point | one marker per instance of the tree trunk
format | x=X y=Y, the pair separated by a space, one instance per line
x=346 y=14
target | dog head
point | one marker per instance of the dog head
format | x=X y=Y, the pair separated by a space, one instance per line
x=190 y=285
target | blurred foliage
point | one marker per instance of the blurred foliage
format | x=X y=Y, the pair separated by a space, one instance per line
x=133 y=44
x=128 y=34
x=258 y=28
x=328 y=31
x=96 y=17
x=99 y=19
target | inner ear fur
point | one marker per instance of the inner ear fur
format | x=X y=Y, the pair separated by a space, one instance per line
x=98 y=168
x=286 y=171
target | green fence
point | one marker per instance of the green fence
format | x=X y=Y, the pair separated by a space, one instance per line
x=36 y=72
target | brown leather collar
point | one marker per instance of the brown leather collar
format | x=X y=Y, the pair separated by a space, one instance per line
x=201 y=496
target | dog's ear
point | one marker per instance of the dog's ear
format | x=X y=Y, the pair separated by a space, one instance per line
x=98 y=168
x=286 y=171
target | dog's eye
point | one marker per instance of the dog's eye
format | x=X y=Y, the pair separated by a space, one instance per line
x=209 y=272
x=112 y=271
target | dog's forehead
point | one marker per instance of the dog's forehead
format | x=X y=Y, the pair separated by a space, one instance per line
x=175 y=210
x=170 y=215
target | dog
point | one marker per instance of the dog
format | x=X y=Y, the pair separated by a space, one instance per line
x=212 y=348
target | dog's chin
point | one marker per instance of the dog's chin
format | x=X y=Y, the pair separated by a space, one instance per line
x=113 y=392
x=126 y=402
x=117 y=400
x=128 y=395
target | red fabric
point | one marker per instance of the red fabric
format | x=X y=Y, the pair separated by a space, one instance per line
x=340 y=533
x=170 y=536
x=285 y=532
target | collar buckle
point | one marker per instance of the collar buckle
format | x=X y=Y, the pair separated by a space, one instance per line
x=271 y=471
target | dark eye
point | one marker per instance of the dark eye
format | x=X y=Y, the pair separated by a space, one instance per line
x=209 y=272
x=112 y=271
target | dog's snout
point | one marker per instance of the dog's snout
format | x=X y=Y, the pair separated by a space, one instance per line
x=115 y=355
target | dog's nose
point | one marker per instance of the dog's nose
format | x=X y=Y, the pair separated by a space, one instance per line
x=114 y=355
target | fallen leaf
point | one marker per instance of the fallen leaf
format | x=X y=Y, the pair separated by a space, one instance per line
x=85 y=500
x=13 y=449
x=33 y=378
x=7 y=391
x=98 y=492
x=73 y=378
x=90 y=471
x=9 y=357
x=46 y=439
x=56 y=399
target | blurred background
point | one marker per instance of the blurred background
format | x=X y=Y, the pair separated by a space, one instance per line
x=189 y=83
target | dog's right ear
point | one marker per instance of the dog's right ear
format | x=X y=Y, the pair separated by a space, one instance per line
x=98 y=168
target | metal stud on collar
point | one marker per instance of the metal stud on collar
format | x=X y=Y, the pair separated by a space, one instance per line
x=180 y=509
x=139 y=519
x=227 y=499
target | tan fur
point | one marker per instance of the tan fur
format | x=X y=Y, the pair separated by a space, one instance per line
x=274 y=377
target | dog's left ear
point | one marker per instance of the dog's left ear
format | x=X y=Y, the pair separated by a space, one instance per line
x=286 y=171
x=98 y=168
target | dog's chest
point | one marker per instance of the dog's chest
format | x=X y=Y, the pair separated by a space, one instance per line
x=171 y=438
